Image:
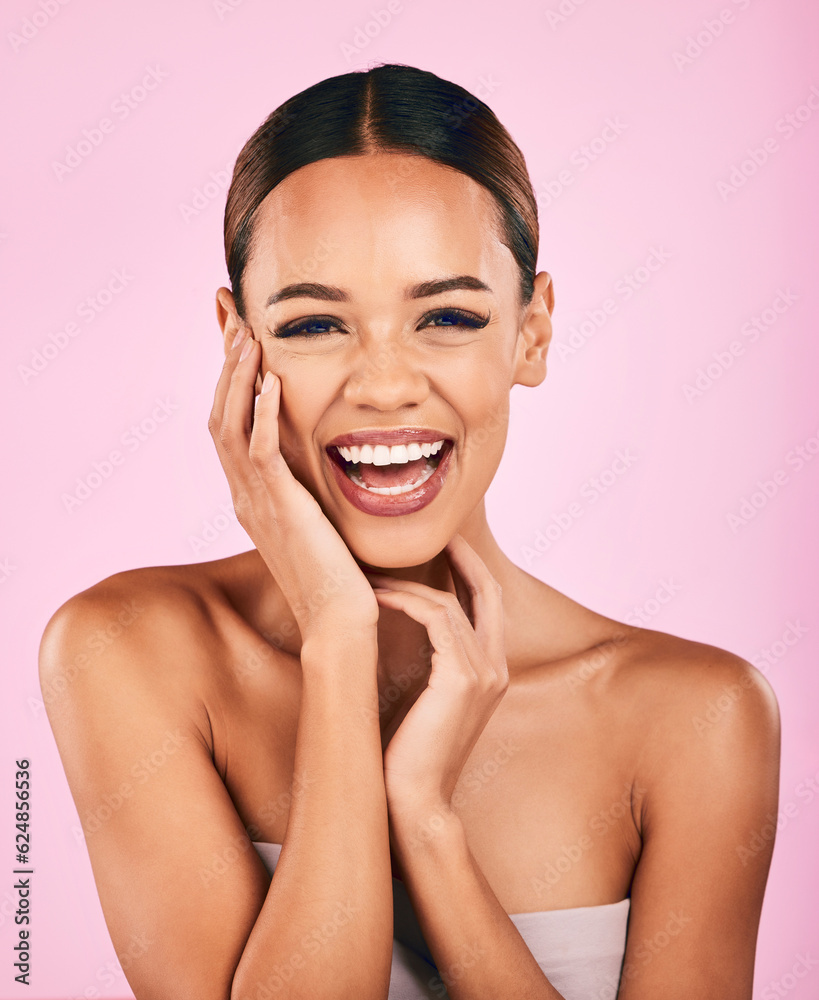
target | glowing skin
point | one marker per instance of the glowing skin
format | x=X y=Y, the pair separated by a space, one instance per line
x=597 y=716
x=373 y=226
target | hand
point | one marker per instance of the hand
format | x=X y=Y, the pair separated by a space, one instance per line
x=323 y=584
x=467 y=680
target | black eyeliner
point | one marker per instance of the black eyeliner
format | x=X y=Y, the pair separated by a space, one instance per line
x=473 y=321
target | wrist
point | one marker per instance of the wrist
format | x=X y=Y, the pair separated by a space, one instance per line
x=346 y=644
x=424 y=825
x=341 y=661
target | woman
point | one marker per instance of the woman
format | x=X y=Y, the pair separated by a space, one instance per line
x=466 y=783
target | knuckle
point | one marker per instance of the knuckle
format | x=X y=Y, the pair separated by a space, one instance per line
x=257 y=453
x=242 y=505
x=488 y=683
x=227 y=439
x=443 y=612
x=463 y=681
x=450 y=602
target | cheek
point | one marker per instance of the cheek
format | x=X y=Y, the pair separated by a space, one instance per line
x=480 y=392
x=299 y=415
x=483 y=406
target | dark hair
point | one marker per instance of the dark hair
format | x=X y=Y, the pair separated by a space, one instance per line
x=387 y=108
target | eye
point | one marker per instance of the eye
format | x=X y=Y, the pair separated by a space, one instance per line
x=315 y=327
x=455 y=317
x=306 y=328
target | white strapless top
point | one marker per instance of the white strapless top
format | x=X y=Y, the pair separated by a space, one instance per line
x=580 y=950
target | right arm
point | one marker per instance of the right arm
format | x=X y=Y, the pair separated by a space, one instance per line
x=191 y=910
x=329 y=909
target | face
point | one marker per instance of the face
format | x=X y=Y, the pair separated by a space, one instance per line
x=378 y=358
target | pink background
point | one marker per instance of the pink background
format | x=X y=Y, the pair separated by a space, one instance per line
x=661 y=526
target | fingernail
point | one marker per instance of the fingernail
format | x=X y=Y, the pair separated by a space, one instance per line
x=267 y=382
x=246 y=350
x=240 y=336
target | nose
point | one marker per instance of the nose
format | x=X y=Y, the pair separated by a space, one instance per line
x=386 y=379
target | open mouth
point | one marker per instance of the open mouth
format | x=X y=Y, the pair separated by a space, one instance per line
x=390 y=471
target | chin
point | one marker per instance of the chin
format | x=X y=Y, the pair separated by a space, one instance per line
x=399 y=547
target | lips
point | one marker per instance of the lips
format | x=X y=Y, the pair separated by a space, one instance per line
x=396 y=504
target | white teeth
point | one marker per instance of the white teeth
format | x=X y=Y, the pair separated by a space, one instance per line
x=399 y=454
x=381 y=454
x=394 y=490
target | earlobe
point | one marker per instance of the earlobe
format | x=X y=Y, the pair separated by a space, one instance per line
x=535 y=333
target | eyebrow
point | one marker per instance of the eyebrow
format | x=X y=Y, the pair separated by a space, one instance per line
x=423 y=290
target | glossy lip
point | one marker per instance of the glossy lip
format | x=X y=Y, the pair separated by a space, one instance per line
x=383 y=505
x=390 y=436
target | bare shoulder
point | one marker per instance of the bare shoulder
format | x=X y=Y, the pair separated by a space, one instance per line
x=152 y=627
x=690 y=688
x=707 y=733
x=126 y=670
x=705 y=785
x=655 y=680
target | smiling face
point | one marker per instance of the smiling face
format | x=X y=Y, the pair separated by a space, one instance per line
x=386 y=341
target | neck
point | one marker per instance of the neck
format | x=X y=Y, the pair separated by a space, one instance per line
x=404 y=657
x=404 y=649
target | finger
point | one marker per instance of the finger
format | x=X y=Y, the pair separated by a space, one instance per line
x=394 y=584
x=264 y=450
x=484 y=596
x=446 y=624
x=230 y=362
x=411 y=586
x=290 y=500
x=462 y=591
x=231 y=428
x=238 y=405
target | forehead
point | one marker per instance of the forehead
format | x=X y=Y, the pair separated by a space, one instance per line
x=377 y=219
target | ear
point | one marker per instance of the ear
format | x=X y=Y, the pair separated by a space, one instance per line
x=535 y=333
x=230 y=323
x=229 y=320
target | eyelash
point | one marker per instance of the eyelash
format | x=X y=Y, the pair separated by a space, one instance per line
x=465 y=319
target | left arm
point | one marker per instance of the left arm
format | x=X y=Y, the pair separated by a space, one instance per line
x=478 y=950
x=712 y=786
x=708 y=819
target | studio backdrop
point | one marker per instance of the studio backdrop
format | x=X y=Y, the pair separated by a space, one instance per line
x=664 y=474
